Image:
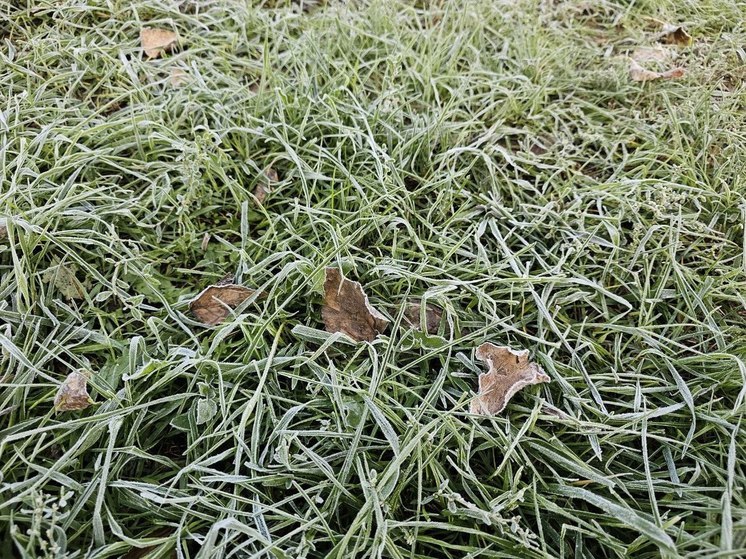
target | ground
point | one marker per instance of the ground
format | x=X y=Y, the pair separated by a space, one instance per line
x=492 y=158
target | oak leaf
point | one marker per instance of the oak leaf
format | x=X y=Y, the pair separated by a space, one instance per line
x=347 y=309
x=508 y=371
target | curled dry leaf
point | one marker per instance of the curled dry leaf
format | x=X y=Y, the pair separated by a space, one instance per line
x=433 y=316
x=347 y=309
x=214 y=304
x=675 y=35
x=509 y=371
x=73 y=393
x=639 y=74
x=157 y=42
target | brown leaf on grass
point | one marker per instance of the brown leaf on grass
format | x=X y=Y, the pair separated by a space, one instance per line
x=675 y=35
x=433 y=316
x=508 y=372
x=346 y=309
x=214 y=304
x=157 y=42
x=652 y=54
x=73 y=393
x=64 y=278
x=3 y=228
x=178 y=77
x=639 y=74
x=263 y=187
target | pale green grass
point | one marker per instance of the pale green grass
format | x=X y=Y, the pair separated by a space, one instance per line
x=491 y=157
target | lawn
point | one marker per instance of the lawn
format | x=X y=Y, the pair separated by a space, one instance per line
x=495 y=161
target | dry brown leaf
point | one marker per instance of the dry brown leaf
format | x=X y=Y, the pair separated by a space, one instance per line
x=271 y=174
x=433 y=316
x=73 y=393
x=639 y=74
x=675 y=35
x=178 y=77
x=157 y=42
x=64 y=278
x=263 y=187
x=347 y=309
x=652 y=54
x=213 y=304
x=509 y=371
x=3 y=228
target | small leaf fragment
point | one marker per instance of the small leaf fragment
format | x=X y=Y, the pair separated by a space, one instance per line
x=3 y=228
x=73 y=393
x=433 y=316
x=214 y=303
x=508 y=371
x=347 y=309
x=178 y=77
x=157 y=42
x=675 y=35
x=264 y=186
x=639 y=74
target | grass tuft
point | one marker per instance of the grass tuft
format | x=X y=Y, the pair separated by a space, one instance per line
x=490 y=158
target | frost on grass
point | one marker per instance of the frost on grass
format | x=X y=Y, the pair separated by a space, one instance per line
x=509 y=371
x=157 y=42
x=347 y=309
x=73 y=393
x=433 y=316
x=214 y=303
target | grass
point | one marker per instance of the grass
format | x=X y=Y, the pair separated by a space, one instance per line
x=492 y=158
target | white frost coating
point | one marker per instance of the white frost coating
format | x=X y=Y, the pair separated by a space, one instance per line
x=371 y=309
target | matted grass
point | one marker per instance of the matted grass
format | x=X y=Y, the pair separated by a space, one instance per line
x=490 y=157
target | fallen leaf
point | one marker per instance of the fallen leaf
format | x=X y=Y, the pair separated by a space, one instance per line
x=64 y=279
x=73 y=393
x=213 y=304
x=3 y=228
x=433 y=316
x=652 y=54
x=178 y=77
x=346 y=309
x=263 y=187
x=271 y=174
x=675 y=35
x=157 y=42
x=509 y=371
x=639 y=74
